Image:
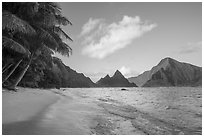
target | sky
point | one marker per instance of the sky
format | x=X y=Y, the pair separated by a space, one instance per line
x=131 y=37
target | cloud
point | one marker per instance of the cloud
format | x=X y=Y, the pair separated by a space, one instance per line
x=128 y=72
x=191 y=48
x=124 y=70
x=108 y=38
x=89 y=26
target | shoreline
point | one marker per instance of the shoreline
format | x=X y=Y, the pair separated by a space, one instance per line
x=102 y=112
x=25 y=104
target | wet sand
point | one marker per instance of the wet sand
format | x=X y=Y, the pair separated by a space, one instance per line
x=83 y=112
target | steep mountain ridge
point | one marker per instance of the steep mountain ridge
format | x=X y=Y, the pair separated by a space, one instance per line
x=140 y=79
x=170 y=72
x=71 y=78
x=56 y=75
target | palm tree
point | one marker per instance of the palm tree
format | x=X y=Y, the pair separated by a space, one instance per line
x=10 y=25
x=32 y=26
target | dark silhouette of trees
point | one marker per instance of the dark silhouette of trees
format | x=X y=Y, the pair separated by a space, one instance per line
x=28 y=28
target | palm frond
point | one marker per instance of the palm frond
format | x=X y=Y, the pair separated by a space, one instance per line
x=59 y=31
x=47 y=38
x=13 y=45
x=50 y=7
x=47 y=50
x=15 y=24
x=62 y=20
x=54 y=7
x=64 y=49
x=45 y=54
x=47 y=20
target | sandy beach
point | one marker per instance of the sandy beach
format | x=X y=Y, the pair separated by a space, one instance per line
x=20 y=109
x=25 y=104
x=85 y=112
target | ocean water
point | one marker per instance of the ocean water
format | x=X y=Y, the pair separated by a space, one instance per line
x=138 y=111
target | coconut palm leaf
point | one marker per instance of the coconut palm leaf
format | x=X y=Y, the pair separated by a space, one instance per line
x=61 y=44
x=59 y=31
x=45 y=19
x=47 y=38
x=50 y=7
x=53 y=8
x=44 y=54
x=64 y=49
x=62 y=20
x=15 y=24
x=46 y=50
x=47 y=13
x=13 y=45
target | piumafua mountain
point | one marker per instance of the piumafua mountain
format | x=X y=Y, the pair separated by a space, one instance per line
x=117 y=80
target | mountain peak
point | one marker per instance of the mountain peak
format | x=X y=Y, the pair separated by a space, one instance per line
x=170 y=72
x=118 y=73
x=107 y=76
x=117 y=80
x=168 y=58
x=166 y=61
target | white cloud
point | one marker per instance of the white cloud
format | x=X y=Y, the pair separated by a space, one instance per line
x=124 y=70
x=89 y=26
x=108 y=38
x=128 y=72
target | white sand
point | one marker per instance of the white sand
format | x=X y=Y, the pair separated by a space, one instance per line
x=102 y=111
x=25 y=104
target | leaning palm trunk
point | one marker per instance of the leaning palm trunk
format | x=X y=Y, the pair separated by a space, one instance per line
x=22 y=74
x=6 y=68
x=12 y=71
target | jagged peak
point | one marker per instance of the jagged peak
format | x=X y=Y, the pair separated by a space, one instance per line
x=107 y=76
x=118 y=73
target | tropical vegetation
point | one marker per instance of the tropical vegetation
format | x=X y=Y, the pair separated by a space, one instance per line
x=31 y=33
